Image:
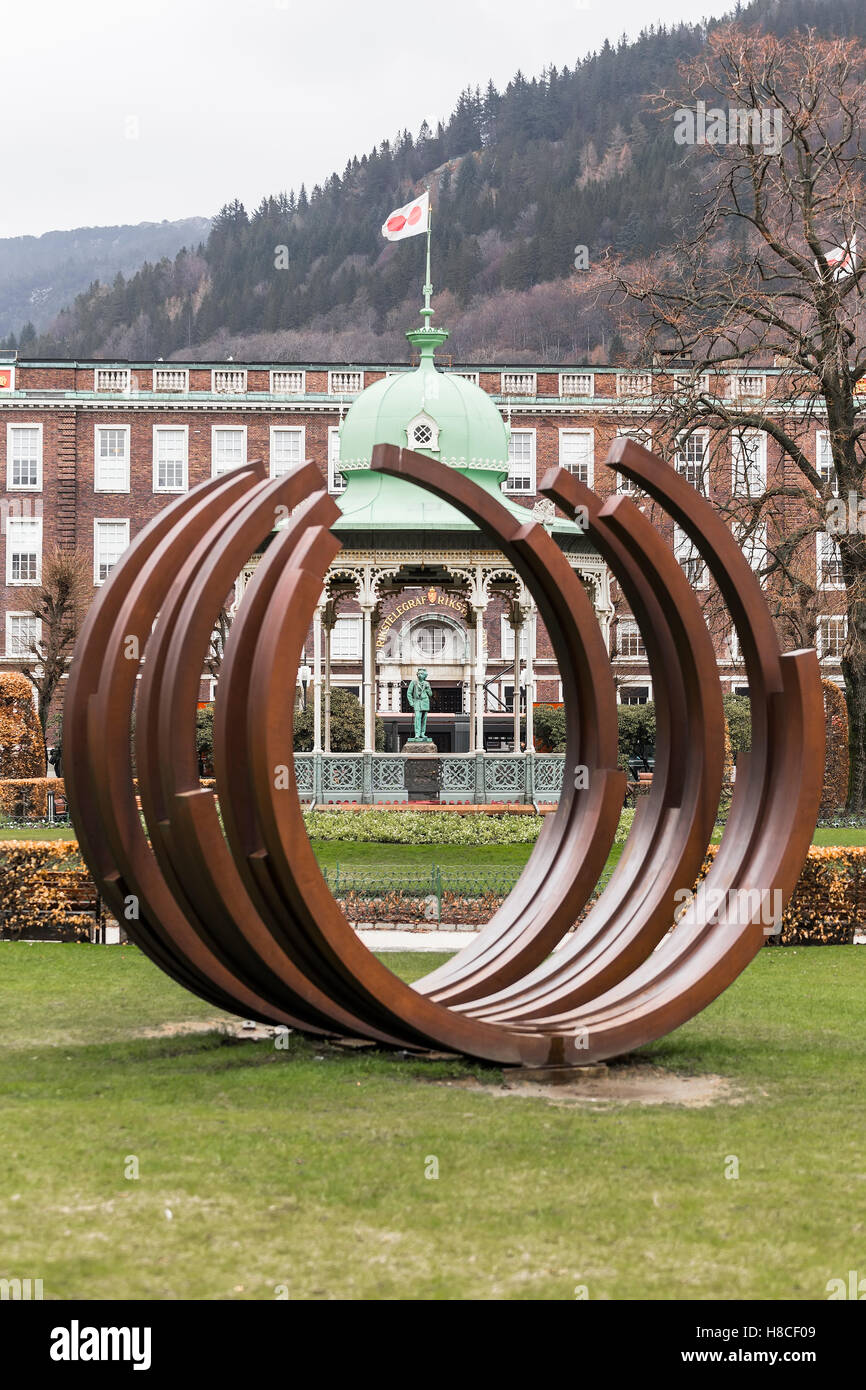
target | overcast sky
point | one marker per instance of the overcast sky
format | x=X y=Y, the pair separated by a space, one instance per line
x=118 y=111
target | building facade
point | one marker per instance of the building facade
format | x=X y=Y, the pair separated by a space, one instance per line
x=93 y=450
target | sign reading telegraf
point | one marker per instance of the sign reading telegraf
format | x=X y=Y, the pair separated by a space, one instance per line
x=433 y=597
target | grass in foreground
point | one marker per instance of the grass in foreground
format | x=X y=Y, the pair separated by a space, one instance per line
x=306 y=1167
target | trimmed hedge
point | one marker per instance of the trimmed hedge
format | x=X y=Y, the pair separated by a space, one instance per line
x=43 y=887
x=398 y=827
x=26 y=798
x=828 y=904
x=836 y=760
x=22 y=747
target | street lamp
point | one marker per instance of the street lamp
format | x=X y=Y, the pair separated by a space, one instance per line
x=305 y=675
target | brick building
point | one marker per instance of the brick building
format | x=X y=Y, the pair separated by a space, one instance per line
x=93 y=450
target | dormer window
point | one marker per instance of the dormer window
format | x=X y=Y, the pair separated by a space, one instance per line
x=423 y=433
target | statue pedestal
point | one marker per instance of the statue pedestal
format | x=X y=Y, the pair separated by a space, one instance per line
x=422 y=773
x=420 y=745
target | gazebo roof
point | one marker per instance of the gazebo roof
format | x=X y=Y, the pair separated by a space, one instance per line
x=463 y=429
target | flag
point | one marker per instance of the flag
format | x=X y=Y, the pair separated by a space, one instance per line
x=407 y=221
x=842 y=260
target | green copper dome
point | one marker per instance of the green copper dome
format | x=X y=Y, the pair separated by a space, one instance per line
x=435 y=413
x=441 y=415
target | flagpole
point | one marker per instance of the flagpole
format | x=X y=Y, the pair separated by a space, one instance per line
x=427 y=311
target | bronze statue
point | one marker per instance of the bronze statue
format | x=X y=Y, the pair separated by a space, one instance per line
x=419 y=695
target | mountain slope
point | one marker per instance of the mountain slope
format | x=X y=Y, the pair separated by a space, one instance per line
x=39 y=275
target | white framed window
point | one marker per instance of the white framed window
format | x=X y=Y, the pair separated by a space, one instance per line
x=750 y=386
x=345 y=383
x=521 y=462
x=228 y=448
x=336 y=479
x=577 y=384
x=577 y=454
x=829 y=562
x=824 y=458
x=748 y=463
x=228 y=381
x=112 y=379
x=644 y=438
x=23 y=549
x=23 y=631
x=468 y=376
x=832 y=633
x=171 y=379
x=634 y=383
x=111 y=458
x=346 y=639
x=170 y=455
x=287 y=449
x=287 y=383
x=629 y=642
x=689 y=557
x=518 y=383
x=24 y=457
x=691 y=458
x=506 y=639
x=634 y=694
x=110 y=539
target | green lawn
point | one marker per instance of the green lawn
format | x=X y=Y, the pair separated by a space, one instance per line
x=305 y=1167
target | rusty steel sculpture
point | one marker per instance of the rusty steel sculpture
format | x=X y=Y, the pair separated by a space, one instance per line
x=227 y=896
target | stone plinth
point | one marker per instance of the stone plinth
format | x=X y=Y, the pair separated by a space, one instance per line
x=422 y=772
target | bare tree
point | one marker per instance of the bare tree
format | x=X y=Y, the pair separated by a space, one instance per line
x=771 y=274
x=59 y=601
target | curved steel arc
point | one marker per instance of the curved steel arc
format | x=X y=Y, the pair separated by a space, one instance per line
x=772 y=814
x=246 y=919
x=568 y=859
x=667 y=844
x=181 y=815
x=99 y=773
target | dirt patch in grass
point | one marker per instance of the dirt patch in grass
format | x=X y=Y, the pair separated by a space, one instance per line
x=177 y=1030
x=620 y=1084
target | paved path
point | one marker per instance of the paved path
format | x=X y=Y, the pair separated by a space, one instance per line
x=384 y=939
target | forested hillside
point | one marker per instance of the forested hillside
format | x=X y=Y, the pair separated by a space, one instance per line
x=520 y=178
x=40 y=275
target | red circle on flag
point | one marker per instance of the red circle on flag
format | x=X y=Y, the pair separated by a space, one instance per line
x=397 y=223
x=414 y=216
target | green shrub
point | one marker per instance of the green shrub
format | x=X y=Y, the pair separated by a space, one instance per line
x=422 y=827
x=347 y=724
x=548 y=726
x=738 y=712
x=637 y=731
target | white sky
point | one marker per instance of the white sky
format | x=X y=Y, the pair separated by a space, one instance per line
x=119 y=111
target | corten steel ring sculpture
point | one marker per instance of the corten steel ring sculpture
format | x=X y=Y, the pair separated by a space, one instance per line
x=229 y=899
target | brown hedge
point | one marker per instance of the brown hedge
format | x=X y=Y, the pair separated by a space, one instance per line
x=26 y=798
x=42 y=885
x=835 y=792
x=828 y=904
x=22 y=747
